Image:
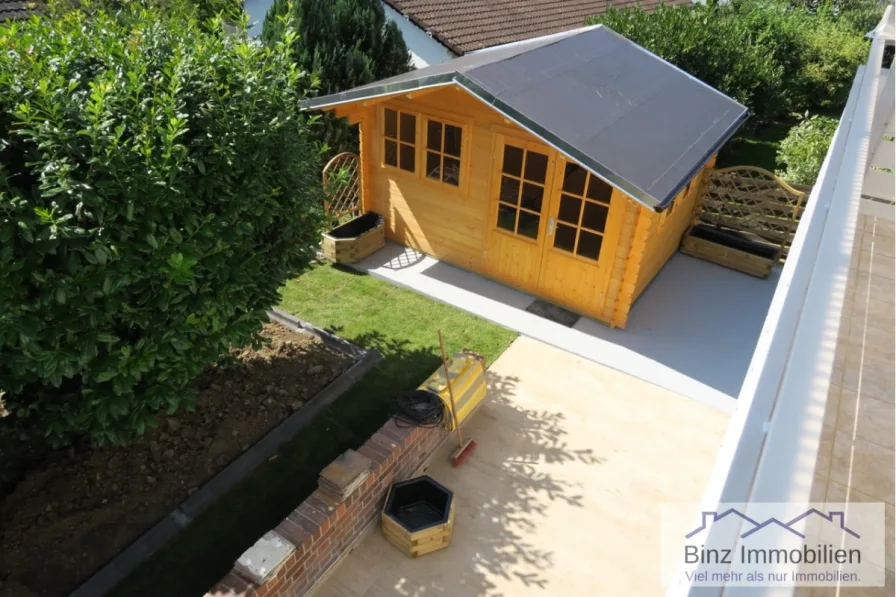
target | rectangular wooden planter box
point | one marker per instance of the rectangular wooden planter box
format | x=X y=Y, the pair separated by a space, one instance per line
x=356 y=239
x=703 y=242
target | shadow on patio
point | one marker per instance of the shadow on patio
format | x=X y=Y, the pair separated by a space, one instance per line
x=562 y=493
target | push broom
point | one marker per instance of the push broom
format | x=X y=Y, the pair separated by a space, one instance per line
x=464 y=447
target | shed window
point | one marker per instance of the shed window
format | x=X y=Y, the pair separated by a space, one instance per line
x=521 y=195
x=582 y=216
x=443 y=147
x=400 y=139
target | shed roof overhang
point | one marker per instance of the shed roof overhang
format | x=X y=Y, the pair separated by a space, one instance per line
x=652 y=126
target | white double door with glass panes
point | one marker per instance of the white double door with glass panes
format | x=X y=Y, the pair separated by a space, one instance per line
x=547 y=225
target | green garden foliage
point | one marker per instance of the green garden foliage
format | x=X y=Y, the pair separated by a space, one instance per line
x=818 y=53
x=858 y=16
x=345 y=43
x=230 y=11
x=156 y=189
x=804 y=148
x=772 y=56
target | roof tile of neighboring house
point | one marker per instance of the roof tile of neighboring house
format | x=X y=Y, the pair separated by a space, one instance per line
x=13 y=9
x=467 y=25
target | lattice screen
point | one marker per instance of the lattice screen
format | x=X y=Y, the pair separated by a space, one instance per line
x=753 y=200
x=342 y=186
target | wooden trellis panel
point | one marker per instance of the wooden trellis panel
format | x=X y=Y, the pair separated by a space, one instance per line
x=342 y=186
x=755 y=201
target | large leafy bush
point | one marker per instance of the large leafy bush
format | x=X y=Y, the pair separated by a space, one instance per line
x=818 y=52
x=858 y=16
x=156 y=188
x=345 y=43
x=831 y=55
x=802 y=151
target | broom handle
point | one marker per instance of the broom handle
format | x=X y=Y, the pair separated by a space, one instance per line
x=460 y=438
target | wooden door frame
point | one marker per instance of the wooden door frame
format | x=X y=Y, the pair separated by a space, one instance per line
x=553 y=186
x=499 y=136
x=609 y=245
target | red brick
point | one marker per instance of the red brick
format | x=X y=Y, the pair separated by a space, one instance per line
x=310 y=526
x=341 y=509
x=317 y=502
x=321 y=519
x=293 y=532
x=380 y=447
x=398 y=433
x=233 y=585
x=273 y=585
x=374 y=453
x=386 y=442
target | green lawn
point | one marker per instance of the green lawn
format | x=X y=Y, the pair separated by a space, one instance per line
x=758 y=148
x=398 y=323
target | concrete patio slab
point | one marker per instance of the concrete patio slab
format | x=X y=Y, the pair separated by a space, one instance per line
x=562 y=496
x=693 y=331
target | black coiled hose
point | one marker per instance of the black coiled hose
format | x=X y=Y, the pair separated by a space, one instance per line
x=420 y=408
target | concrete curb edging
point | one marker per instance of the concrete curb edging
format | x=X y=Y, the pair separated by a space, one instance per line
x=122 y=565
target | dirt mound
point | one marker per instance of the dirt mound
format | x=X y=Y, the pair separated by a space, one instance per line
x=77 y=508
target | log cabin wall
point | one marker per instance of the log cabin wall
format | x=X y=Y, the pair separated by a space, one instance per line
x=436 y=218
x=452 y=223
x=666 y=230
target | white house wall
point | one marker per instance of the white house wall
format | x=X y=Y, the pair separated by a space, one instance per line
x=257 y=9
x=424 y=49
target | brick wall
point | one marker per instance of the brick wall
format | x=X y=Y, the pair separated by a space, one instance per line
x=291 y=559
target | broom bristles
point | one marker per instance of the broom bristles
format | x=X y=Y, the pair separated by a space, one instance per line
x=461 y=453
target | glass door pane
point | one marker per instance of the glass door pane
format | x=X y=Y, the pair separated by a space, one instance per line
x=521 y=194
x=582 y=213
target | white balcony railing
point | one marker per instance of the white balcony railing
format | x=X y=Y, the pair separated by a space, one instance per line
x=771 y=444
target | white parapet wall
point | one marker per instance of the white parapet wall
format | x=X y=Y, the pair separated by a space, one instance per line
x=773 y=437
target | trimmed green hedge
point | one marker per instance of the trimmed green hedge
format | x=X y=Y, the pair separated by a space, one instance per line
x=156 y=189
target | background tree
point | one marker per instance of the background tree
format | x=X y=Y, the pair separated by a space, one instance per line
x=701 y=41
x=156 y=189
x=345 y=43
x=775 y=58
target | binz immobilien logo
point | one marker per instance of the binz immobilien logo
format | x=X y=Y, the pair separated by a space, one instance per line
x=824 y=553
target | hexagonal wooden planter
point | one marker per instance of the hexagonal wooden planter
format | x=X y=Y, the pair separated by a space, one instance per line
x=418 y=516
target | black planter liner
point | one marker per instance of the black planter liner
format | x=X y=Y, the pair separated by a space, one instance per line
x=735 y=240
x=419 y=503
x=357 y=226
x=128 y=560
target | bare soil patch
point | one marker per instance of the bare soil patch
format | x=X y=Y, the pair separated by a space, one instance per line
x=75 y=509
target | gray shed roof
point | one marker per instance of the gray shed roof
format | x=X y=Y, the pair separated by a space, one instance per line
x=633 y=119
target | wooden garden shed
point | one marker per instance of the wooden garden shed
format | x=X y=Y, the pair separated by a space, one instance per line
x=568 y=166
